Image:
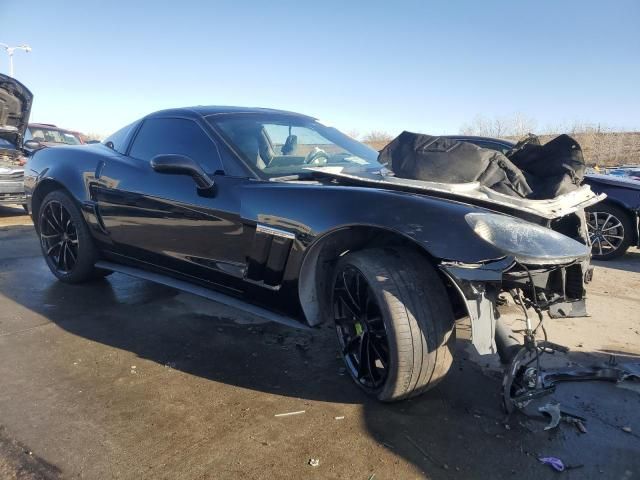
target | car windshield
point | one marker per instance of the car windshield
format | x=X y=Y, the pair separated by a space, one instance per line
x=52 y=135
x=283 y=145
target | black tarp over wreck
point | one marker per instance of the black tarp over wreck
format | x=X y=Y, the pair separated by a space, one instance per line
x=528 y=170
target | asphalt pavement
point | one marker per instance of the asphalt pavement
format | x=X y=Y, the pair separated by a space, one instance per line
x=122 y=378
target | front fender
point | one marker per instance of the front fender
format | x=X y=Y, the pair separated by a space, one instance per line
x=312 y=211
x=325 y=218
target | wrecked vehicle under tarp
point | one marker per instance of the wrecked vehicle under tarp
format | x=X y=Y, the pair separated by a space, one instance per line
x=528 y=170
x=548 y=193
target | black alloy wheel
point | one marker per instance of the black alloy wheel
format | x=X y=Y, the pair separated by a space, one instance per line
x=59 y=237
x=393 y=320
x=361 y=330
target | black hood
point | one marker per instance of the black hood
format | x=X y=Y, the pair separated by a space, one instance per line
x=15 y=106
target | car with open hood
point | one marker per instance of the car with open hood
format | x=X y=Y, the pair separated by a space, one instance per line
x=15 y=106
x=283 y=216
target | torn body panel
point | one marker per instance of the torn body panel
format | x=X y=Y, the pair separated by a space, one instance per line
x=474 y=192
x=479 y=286
x=557 y=289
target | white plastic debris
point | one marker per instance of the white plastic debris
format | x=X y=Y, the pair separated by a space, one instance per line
x=289 y=413
x=314 y=462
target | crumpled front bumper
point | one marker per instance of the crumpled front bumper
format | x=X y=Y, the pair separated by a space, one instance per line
x=558 y=289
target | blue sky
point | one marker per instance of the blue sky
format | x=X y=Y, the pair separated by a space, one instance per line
x=359 y=65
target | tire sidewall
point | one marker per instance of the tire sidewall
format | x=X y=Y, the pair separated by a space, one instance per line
x=86 y=251
x=392 y=371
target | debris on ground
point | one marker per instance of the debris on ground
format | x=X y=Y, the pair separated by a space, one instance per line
x=557 y=415
x=289 y=413
x=553 y=462
x=314 y=462
x=575 y=421
x=338 y=418
x=553 y=410
x=626 y=429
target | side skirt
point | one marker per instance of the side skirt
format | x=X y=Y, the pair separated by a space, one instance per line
x=203 y=292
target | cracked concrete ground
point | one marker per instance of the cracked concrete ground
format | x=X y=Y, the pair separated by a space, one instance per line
x=126 y=379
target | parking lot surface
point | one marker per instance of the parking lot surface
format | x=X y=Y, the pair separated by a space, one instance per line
x=123 y=378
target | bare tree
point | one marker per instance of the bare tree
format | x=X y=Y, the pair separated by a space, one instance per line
x=355 y=134
x=377 y=136
x=95 y=136
x=516 y=125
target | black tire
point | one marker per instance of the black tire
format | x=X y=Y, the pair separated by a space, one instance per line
x=416 y=318
x=610 y=230
x=70 y=255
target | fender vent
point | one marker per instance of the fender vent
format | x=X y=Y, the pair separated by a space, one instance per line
x=269 y=254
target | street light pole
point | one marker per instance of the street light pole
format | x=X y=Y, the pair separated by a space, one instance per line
x=10 y=51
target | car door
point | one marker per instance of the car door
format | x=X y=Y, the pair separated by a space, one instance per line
x=163 y=220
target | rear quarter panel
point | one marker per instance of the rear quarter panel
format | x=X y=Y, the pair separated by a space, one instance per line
x=73 y=168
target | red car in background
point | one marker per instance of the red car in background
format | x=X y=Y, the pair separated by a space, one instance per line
x=40 y=135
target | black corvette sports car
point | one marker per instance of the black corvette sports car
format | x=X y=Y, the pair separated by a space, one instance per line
x=281 y=215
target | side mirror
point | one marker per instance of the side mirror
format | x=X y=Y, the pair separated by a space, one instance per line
x=182 y=165
x=32 y=145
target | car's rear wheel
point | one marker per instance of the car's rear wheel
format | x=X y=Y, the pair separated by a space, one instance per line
x=394 y=322
x=65 y=240
x=610 y=231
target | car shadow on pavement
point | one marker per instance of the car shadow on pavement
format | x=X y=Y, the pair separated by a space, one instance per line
x=629 y=262
x=457 y=430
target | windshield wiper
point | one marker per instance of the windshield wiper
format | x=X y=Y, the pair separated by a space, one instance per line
x=309 y=175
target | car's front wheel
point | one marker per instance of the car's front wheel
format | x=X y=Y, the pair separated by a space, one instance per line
x=65 y=240
x=610 y=231
x=394 y=322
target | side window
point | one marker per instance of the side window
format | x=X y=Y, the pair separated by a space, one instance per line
x=175 y=135
x=118 y=140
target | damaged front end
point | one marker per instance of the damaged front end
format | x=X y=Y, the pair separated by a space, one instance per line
x=542 y=269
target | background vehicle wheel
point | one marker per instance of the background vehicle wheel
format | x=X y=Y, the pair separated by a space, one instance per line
x=394 y=322
x=66 y=244
x=610 y=231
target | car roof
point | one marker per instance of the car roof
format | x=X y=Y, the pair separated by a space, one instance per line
x=209 y=110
